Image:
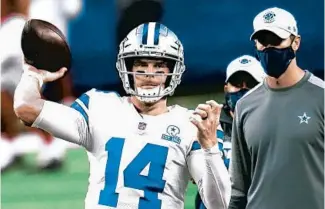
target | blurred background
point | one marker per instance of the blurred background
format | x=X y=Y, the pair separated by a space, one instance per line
x=213 y=34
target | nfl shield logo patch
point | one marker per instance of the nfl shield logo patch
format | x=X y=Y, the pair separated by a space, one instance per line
x=142 y=126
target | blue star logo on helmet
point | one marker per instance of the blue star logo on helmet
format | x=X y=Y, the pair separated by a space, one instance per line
x=244 y=61
x=269 y=17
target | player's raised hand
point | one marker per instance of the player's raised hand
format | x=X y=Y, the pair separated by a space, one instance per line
x=44 y=75
x=206 y=119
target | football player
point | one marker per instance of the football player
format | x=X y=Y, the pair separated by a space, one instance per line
x=142 y=153
x=12 y=22
x=13 y=17
x=243 y=74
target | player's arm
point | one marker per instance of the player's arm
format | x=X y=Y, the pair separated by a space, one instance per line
x=239 y=167
x=215 y=181
x=224 y=146
x=61 y=121
x=210 y=174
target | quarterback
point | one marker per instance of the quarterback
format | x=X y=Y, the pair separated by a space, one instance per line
x=142 y=152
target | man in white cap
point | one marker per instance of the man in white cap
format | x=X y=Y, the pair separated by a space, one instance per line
x=277 y=156
x=243 y=74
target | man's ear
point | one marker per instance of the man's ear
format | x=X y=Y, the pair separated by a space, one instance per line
x=296 y=43
x=225 y=88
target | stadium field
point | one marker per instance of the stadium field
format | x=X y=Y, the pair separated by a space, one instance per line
x=24 y=188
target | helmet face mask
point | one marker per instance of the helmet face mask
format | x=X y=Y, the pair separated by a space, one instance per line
x=151 y=41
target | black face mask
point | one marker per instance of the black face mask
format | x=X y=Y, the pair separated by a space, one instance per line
x=275 y=61
x=233 y=97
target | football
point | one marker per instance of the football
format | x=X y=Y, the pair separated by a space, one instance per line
x=44 y=46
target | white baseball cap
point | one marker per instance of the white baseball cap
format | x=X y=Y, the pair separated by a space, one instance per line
x=276 y=20
x=247 y=64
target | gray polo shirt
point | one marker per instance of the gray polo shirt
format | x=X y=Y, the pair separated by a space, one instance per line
x=278 y=147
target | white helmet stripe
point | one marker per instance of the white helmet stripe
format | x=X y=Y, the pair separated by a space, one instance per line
x=151 y=33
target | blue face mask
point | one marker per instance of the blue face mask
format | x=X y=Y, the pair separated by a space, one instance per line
x=275 y=61
x=233 y=97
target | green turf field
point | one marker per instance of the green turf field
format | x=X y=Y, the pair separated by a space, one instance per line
x=23 y=188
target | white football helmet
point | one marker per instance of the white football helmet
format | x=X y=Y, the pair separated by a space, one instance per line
x=151 y=40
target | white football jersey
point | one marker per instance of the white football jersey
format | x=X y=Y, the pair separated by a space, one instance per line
x=138 y=161
x=11 y=55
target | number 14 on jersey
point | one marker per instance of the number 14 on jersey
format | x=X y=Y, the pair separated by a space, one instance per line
x=152 y=184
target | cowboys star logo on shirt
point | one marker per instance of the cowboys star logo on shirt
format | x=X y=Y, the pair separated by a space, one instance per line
x=304 y=118
x=269 y=17
x=172 y=132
